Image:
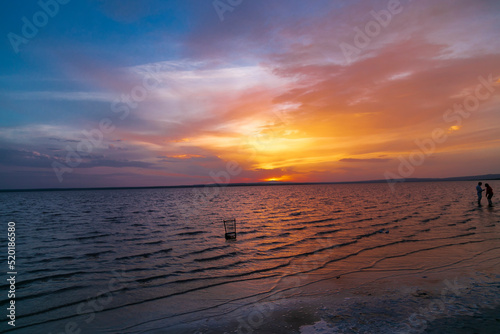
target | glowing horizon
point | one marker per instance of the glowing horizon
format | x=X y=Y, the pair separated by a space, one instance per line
x=168 y=94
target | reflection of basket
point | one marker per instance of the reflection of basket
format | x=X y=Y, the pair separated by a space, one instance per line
x=230 y=227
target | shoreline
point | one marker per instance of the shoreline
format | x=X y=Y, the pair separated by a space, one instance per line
x=403 y=304
x=486 y=177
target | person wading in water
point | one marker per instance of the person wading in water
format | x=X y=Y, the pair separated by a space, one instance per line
x=489 y=194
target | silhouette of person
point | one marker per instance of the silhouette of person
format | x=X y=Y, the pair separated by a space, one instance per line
x=479 y=193
x=489 y=193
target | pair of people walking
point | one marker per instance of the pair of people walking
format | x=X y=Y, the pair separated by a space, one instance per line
x=489 y=193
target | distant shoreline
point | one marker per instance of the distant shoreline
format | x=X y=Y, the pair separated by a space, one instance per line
x=489 y=177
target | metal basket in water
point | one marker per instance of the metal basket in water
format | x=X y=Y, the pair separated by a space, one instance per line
x=230 y=228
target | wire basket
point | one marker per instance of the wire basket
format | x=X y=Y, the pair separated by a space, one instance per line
x=230 y=228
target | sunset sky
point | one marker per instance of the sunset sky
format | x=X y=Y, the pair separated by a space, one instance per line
x=105 y=93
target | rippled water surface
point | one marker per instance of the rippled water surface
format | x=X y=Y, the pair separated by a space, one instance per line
x=147 y=260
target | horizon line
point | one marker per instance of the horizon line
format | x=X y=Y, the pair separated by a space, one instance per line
x=270 y=183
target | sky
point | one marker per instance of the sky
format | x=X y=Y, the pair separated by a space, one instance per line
x=115 y=93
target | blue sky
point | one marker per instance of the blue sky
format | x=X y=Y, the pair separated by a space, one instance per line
x=269 y=89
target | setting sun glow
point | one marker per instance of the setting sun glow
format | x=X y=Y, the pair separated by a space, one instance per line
x=258 y=96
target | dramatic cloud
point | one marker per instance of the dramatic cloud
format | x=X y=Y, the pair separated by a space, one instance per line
x=167 y=93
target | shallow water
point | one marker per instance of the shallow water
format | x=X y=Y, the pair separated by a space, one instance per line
x=147 y=260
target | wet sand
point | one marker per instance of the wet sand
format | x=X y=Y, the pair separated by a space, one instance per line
x=461 y=297
x=484 y=321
